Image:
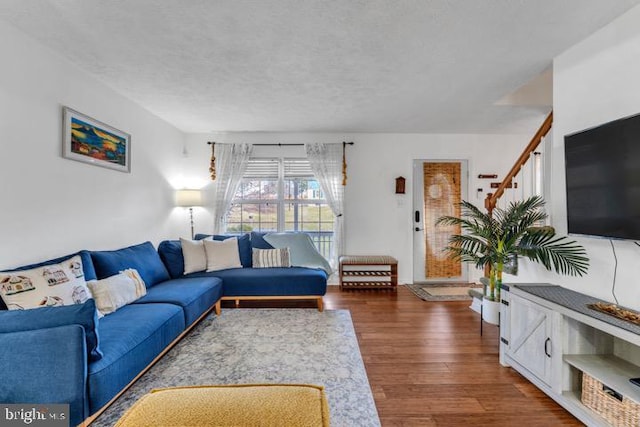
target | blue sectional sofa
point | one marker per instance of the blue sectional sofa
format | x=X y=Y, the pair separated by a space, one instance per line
x=68 y=355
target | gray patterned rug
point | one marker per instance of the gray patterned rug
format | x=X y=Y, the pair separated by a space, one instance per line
x=242 y=346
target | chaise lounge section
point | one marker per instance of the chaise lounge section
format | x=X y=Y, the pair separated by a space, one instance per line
x=248 y=282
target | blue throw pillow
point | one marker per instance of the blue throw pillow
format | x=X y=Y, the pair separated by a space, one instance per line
x=170 y=252
x=258 y=242
x=84 y=315
x=142 y=257
x=244 y=246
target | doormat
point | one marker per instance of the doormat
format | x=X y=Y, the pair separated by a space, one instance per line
x=443 y=291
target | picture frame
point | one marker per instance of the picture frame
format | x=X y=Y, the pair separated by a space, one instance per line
x=88 y=140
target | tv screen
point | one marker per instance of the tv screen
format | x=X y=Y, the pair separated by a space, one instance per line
x=602 y=167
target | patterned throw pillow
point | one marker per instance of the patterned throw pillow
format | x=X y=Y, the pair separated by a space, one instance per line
x=268 y=258
x=47 y=286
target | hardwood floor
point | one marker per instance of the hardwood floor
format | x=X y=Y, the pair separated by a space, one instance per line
x=428 y=365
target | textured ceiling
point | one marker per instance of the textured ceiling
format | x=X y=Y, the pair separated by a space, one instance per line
x=319 y=65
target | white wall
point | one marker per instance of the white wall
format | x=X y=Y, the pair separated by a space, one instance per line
x=377 y=221
x=595 y=81
x=51 y=206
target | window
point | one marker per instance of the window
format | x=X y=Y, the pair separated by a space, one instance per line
x=282 y=195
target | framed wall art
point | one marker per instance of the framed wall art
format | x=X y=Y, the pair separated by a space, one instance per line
x=90 y=141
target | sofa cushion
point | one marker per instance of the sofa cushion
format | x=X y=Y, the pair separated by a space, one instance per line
x=51 y=369
x=271 y=282
x=87 y=264
x=195 y=295
x=244 y=245
x=258 y=242
x=142 y=257
x=84 y=315
x=45 y=286
x=170 y=252
x=130 y=339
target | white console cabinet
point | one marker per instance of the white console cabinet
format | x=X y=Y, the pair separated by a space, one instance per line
x=551 y=338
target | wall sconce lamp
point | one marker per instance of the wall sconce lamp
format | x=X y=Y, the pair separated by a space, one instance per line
x=189 y=199
x=400 y=185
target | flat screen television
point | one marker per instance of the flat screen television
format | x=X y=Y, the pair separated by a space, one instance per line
x=602 y=169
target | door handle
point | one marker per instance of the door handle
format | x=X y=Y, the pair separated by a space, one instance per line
x=546 y=343
x=417 y=217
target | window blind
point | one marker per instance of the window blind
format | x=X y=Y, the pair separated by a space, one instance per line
x=260 y=168
x=297 y=168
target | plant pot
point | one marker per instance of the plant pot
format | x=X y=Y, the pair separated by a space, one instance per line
x=491 y=311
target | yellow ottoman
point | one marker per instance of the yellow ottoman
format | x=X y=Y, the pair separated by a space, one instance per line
x=231 y=405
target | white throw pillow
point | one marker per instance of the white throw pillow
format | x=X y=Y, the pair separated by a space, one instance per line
x=195 y=257
x=141 y=287
x=269 y=258
x=117 y=291
x=222 y=254
x=48 y=286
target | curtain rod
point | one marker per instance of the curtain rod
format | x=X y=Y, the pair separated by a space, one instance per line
x=281 y=145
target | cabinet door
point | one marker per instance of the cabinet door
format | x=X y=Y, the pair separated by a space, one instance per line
x=531 y=341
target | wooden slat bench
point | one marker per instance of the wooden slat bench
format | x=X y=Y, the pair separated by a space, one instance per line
x=368 y=272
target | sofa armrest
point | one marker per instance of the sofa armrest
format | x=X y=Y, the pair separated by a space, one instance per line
x=45 y=366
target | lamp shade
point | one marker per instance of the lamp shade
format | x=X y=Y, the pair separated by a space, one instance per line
x=188 y=198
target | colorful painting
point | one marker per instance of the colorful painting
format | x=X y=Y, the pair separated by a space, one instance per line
x=90 y=141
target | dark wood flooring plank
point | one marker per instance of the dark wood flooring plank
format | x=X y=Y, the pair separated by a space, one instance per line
x=428 y=366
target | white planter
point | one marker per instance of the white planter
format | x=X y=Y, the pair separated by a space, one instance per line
x=491 y=311
x=476 y=305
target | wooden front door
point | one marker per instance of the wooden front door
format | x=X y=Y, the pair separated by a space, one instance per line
x=440 y=191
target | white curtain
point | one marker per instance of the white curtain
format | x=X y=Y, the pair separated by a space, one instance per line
x=326 y=163
x=231 y=162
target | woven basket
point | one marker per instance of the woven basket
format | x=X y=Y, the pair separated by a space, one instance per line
x=620 y=413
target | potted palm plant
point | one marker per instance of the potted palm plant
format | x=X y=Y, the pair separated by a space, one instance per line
x=496 y=240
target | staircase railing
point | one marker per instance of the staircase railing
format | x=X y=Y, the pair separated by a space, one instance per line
x=491 y=200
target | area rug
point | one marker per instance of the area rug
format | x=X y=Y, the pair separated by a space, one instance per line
x=442 y=291
x=242 y=346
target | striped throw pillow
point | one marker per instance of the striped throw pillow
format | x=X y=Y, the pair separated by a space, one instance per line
x=267 y=258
